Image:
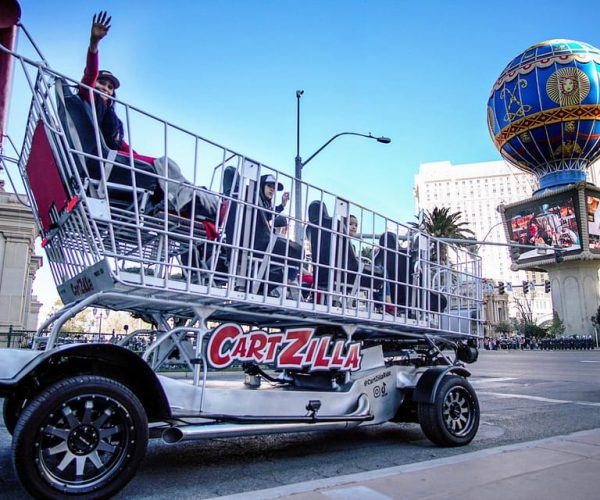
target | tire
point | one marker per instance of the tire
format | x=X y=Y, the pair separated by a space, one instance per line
x=453 y=418
x=83 y=436
x=11 y=410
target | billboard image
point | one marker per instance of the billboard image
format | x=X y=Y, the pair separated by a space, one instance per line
x=592 y=201
x=545 y=223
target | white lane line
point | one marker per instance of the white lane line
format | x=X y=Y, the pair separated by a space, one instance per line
x=588 y=361
x=478 y=381
x=538 y=398
x=354 y=493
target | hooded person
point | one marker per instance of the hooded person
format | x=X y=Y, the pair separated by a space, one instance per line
x=268 y=186
x=254 y=220
x=107 y=83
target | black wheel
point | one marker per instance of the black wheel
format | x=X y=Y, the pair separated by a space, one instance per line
x=11 y=410
x=453 y=418
x=83 y=436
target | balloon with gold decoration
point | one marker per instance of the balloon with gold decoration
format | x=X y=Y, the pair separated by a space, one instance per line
x=544 y=111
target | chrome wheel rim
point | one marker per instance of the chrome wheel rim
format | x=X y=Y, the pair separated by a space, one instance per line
x=458 y=411
x=84 y=441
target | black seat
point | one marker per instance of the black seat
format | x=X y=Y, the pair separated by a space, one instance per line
x=398 y=267
x=399 y=264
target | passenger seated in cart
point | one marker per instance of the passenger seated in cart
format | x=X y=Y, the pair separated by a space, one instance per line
x=280 y=226
x=399 y=267
x=380 y=294
x=180 y=190
x=105 y=81
x=265 y=239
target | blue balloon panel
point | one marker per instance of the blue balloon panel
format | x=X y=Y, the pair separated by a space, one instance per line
x=544 y=110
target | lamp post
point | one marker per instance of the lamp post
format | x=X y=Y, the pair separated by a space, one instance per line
x=100 y=313
x=299 y=164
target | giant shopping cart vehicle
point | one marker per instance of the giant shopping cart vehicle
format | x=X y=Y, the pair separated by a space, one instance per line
x=332 y=330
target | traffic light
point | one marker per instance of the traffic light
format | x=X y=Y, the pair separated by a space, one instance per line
x=547 y=286
x=559 y=256
x=500 y=288
x=525 y=287
x=515 y=253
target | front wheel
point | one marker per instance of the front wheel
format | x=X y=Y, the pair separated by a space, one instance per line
x=82 y=436
x=11 y=411
x=453 y=418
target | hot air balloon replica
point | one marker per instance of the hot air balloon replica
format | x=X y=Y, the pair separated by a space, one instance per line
x=544 y=117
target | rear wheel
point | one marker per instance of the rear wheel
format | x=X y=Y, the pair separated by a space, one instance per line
x=83 y=436
x=453 y=418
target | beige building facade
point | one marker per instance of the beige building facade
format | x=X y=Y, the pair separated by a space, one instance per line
x=19 y=309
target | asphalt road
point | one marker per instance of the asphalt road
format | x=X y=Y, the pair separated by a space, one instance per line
x=523 y=396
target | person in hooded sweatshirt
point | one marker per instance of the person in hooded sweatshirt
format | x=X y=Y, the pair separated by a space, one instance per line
x=264 y=230
x=289 y=250
x=107 y=83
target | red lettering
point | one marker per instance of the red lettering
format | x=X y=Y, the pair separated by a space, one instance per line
x=291 y=355
x=322 y=361
x=309 y=358
x=337 y=361
x=239 y=351
x=256 y=346
x=273 y=341
x=222 y=339
x=229 y=343
x=353 y=357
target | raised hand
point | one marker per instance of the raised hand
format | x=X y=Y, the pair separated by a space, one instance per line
x=100 y=27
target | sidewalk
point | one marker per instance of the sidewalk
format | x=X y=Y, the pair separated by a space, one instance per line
x=557 y=468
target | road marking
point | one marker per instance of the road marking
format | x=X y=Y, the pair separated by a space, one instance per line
x=477 y=381
x=588 y=361
x=538 y=398
x=355 y=493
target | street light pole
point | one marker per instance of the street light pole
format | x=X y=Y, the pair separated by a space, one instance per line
x=298 y=176
x=299 y=165
x=100 y=313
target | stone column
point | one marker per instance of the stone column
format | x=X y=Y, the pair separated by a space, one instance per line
x=575 y=294
x=17 y=234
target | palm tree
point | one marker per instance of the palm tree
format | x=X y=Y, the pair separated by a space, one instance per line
x=440 y=223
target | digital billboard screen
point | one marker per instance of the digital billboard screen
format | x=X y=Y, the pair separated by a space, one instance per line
x=552 y=221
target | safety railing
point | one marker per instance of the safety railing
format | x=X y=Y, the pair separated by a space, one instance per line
x=194 y=224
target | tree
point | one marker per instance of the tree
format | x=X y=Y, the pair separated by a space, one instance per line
x=80 y=323
x=85 y=322
x=440 y=223
x=503 y=328
x=532 y=330
x=557 y=327
x=524 y=310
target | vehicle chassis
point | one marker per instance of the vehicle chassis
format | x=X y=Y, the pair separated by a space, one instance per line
x=84 y=397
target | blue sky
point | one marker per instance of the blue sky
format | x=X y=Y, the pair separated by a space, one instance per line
x=418 y=72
